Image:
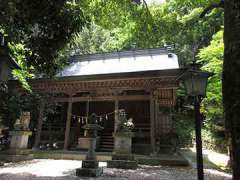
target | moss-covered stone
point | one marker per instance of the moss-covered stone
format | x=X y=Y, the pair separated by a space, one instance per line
x=89 y=172
x=122 y=164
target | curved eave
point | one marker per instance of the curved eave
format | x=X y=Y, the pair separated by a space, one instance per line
x=142 y=74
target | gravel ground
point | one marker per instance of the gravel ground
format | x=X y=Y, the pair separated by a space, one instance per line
x=46 y=169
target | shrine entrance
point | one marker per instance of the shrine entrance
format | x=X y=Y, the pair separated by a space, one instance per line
x=139 y=111
x=100 y=108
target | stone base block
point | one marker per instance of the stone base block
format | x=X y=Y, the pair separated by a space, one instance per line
x=15 y=158
x=90 y=164
x=89 y=172
x=122 y=164
x=18 y=151
x=129 y=157
x=1 y=163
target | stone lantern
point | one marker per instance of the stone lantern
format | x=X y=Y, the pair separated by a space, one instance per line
x=90 y=166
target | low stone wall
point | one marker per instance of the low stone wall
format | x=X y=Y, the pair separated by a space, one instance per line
x=70 y=155
x=163 y=159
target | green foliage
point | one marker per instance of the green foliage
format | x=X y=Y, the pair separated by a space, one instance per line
x=44 y=34
x=213 y=130
x=19 y=53
x=92 y=39
x=131 y=26
x=14 y=104
x=212 y=58
x=43 y=27
x=184 y=126
x=212 y=141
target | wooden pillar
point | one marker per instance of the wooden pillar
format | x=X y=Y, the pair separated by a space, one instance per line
x=152 y=121
x=156 y=113
x=116 y=120
x=87 y=107
x=68 y=124
x=39 y=125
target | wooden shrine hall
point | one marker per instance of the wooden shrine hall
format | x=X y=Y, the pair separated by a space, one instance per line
x=143 y=82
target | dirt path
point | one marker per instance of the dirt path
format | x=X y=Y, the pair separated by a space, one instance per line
x=46 y=169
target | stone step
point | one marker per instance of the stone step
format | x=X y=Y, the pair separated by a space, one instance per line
x=107 y=140
x=107 y=137
x=107 y=146
x=106 y=149
x=107 y=143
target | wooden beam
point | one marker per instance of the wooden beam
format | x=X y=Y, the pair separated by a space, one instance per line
x=116 y=120
x=39 y=125
x=106 y=98
x=87 y=107
x=152 y=122
x=68 y=124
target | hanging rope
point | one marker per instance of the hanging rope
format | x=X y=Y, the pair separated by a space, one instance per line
x=101 y=118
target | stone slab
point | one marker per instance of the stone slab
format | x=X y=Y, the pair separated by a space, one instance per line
x=15 y=158
x=89 y=172
x=129 y=157
x=17 y=151
x=90 y=164
x=161 y=159
x=122 y=164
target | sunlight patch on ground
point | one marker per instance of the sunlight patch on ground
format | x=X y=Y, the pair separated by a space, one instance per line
x=214 y=157
x=218 y=158
x=45 y=167
x=217 y=173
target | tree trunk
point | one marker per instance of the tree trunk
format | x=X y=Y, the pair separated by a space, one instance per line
x=231 y=79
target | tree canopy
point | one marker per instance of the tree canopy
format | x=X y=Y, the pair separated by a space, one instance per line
x=42 y=35
x=42 y=27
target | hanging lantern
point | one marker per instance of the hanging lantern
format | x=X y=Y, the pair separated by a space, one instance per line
x=195 y=80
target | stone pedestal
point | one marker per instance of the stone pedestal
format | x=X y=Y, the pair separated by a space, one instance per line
x=16 y=155
x=90 y=166
x=18 y=148
x=123 y=142
x=2 y=127
x=122 y=156
x=84 y=143
x=19 y=141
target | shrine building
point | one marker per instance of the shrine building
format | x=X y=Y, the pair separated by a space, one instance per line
x=143 y=82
